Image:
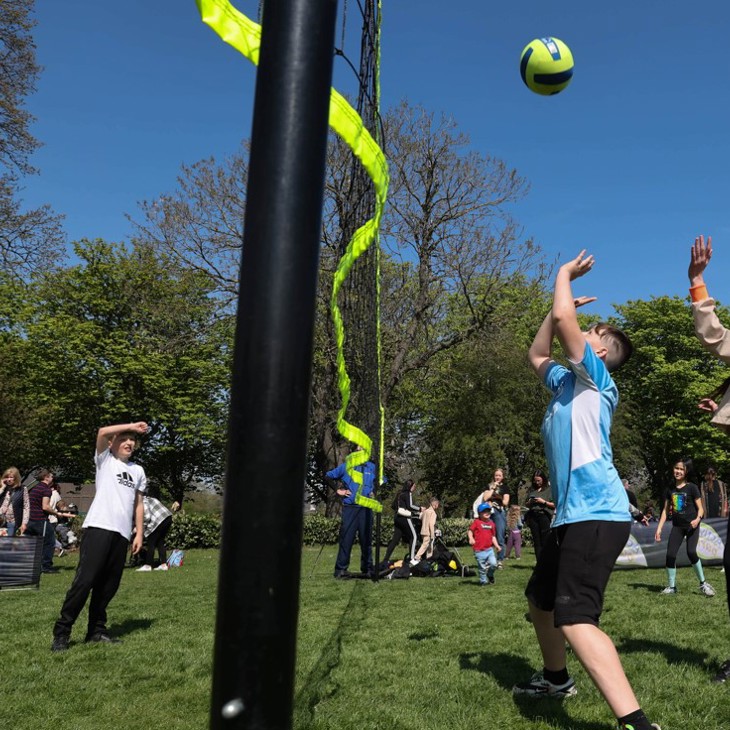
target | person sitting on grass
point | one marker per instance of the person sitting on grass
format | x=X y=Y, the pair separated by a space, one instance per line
x=592 y=521
x=107 y=529
x=482 y=534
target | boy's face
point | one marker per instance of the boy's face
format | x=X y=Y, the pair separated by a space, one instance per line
x=123 y=445
x=485 y=515
x=595 y=342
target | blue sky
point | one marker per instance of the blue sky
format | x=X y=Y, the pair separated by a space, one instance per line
x=631 y=161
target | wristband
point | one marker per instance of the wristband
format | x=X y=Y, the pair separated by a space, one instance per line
x=698 y=293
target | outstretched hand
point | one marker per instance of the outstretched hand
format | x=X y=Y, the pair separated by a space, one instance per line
x=582 y=301
x=700 y=256
x=707 y=404
x=580 y=265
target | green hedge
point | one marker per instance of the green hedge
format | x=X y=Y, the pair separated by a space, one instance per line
x=204 y=530
x=194 y=531
x=320 y=530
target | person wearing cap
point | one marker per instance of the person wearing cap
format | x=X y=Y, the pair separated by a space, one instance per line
x=482 y=535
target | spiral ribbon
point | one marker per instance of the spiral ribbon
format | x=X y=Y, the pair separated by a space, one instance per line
x=244 y=35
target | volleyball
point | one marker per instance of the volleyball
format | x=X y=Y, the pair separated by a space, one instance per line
x=546 y=66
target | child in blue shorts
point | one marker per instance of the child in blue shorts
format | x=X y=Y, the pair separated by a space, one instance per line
x=592 y=520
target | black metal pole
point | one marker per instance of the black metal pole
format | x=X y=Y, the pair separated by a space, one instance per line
x=258 y=591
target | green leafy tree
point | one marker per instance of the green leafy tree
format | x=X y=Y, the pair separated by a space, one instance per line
x=483 y=405
x=128 y=335
x=661 y=386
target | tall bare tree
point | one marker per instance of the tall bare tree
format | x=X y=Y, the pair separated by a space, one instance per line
x=450 y=246
x=33 y=239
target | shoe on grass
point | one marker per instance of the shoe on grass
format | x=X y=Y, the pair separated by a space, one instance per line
x=723 y=675
x=707 y=589
x=102 y=638
x=60 y=643
x=669 y=590
x=161 y=566
x=144 y=569
x=538 y=686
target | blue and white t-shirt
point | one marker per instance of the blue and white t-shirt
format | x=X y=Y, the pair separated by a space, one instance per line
x=576 y=431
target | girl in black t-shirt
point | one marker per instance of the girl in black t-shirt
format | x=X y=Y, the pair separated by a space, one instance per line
x=683 y=503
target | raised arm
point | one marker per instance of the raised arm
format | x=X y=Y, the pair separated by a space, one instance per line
x=106 y=433
x=540 y=354
x=565 y=319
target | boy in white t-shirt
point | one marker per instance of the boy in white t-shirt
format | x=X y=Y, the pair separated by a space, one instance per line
x=107 y=529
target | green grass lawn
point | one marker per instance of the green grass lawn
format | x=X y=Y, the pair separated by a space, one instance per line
x=437 y=653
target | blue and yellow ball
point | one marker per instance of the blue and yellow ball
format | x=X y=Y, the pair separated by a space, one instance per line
x=546 y=66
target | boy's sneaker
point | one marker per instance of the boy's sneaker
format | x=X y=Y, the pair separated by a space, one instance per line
x=538 y=686
x=490 y=578
x=60 y=643
x=724 y=674
x=669 y=590
x=707 y=589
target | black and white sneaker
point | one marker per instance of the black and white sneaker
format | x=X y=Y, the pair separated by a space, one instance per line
x=538 y=686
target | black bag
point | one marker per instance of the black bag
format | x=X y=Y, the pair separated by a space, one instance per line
x=422 y=569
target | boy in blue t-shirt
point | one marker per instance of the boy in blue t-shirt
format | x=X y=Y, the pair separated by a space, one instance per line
x=592 y=520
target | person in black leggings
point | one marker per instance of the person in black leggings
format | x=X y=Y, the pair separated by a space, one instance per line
x=404 y=528
x=683 y=503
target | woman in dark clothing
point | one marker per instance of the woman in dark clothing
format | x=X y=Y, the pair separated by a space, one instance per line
x=404 y=529
x=540 y=509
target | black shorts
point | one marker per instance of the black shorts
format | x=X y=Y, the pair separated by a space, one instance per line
x=573 y=569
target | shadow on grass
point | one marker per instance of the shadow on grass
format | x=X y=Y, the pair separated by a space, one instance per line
x=424 y=635
x=673 y=654
x=506 y=670
x=319 y=685
x=651 y=587
x=131 y=626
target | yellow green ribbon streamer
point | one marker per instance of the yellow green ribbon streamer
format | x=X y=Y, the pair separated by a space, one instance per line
x=244 y=35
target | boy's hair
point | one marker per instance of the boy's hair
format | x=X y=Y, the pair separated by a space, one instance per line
x=42 y=474
x=617 y=343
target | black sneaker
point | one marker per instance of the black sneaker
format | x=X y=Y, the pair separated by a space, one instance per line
x=102 y=638
x=538 y=686
x=490 y=578
x=60 y=643
x=50 y=570
x=724 y=674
